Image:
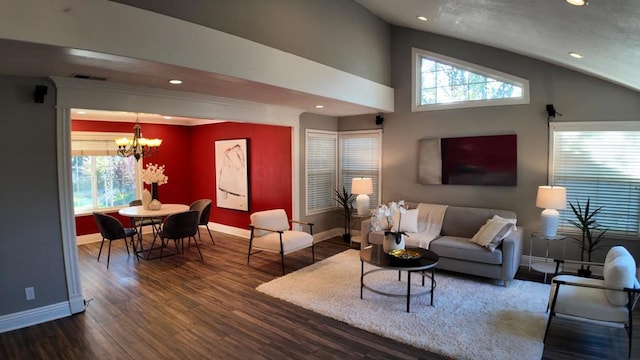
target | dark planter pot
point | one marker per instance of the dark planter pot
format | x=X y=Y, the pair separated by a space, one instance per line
x=346 y=238
x=584 y=272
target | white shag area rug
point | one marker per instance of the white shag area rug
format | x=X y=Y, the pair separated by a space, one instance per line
x=470 y=319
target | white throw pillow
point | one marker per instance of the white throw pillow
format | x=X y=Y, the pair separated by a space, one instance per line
x=408 y=222
x=619 y=272
x=493 y=232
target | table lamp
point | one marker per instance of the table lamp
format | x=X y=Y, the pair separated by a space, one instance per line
x=362 y=187
x=551 y=199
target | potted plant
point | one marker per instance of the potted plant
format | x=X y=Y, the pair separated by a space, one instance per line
x=592 y=232
x=345 y=199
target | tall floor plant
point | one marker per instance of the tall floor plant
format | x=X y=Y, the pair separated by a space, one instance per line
x=592 y=232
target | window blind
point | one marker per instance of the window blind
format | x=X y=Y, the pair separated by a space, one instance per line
x=93 y=148
x=360 y=154
x=599 y=162
x=321 y=170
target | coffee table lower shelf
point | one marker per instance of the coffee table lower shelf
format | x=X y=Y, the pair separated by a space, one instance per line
x=425 y=266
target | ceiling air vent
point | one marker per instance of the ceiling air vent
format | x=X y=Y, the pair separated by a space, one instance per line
x=89 y=77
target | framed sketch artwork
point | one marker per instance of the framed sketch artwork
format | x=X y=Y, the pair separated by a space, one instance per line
x=232 y=181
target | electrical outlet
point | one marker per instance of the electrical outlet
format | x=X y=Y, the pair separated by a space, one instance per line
x=30 y=293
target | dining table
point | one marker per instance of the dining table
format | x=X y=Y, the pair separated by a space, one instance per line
x=139 y=212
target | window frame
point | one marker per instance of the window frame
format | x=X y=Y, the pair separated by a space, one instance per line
x=318 y=133
x=338 y=166
x=105 y=137
x=416 y=106
x=586 y=126
x=378 y=181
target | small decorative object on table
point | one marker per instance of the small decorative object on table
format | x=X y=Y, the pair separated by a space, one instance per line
x=393 y=238
x=155 y=205
x=146 y=199
x=154 y=175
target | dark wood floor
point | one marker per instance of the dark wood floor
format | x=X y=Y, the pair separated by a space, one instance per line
x=157 y=310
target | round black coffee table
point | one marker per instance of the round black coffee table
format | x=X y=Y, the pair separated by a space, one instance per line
x=375 y=255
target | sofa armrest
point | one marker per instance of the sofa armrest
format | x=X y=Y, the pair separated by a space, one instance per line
x=512 y=253
x=365 y=229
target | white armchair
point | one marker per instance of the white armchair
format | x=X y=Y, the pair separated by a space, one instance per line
x=270 y=231
x=609 y=301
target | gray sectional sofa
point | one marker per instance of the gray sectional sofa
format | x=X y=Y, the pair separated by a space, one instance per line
x=456 y=251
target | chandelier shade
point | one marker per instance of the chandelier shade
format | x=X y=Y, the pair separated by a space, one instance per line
x=138 y=146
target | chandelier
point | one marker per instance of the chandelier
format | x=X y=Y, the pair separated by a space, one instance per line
x=138 y=146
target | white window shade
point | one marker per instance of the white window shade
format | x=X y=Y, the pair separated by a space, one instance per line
x=321 y=170
x=600 y=162
x=360 y=153
x=94 y=143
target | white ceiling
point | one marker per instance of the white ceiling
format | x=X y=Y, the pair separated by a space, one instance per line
x=605 y=32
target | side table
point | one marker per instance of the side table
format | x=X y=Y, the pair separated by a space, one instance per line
x=547 y=266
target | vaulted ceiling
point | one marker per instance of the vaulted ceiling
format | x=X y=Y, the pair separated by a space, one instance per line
x=606 y=33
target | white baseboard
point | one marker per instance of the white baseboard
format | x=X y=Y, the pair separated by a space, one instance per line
x=226 y=229
x=35 y=316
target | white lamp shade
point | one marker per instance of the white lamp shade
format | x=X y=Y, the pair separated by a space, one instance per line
x=551 y=197
x=361 y=186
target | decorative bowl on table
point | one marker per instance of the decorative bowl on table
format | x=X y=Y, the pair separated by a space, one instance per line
x=405 y=254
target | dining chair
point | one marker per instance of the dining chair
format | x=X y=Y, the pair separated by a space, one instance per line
x=270 y=231
x=111 y=229
x=204 y=207
x=177 y=227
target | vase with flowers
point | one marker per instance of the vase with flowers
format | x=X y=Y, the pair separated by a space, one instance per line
x=153 y=174
x=384 y=219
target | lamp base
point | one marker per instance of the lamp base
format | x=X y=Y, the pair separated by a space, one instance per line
x=549 y=219
x=362 y=204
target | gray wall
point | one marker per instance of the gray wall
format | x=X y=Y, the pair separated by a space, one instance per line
x=31 y=240
x=324 y=221
x=578 y=97
x=338 y=33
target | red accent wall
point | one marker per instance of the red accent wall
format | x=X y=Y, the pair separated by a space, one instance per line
x=270 y=172
x=188 y=156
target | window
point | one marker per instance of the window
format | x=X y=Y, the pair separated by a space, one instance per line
x=441 y=82
x=330 y=167
x=321 y=170
x=102 y=180
x=599 y=161
x=360 y=153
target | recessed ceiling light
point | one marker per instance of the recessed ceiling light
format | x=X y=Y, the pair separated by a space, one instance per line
x=175 y=82
x=578 y=2
x=422 y=18
x=81 y=112
x=167 y=117
x=319 y=106
x=575 y=55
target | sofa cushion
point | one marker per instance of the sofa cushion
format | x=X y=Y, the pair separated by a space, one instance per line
x=460 y=248
x=493 y=232
x=619 y=272
x=465 y=222
x=408 y=221
x=585 y=302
